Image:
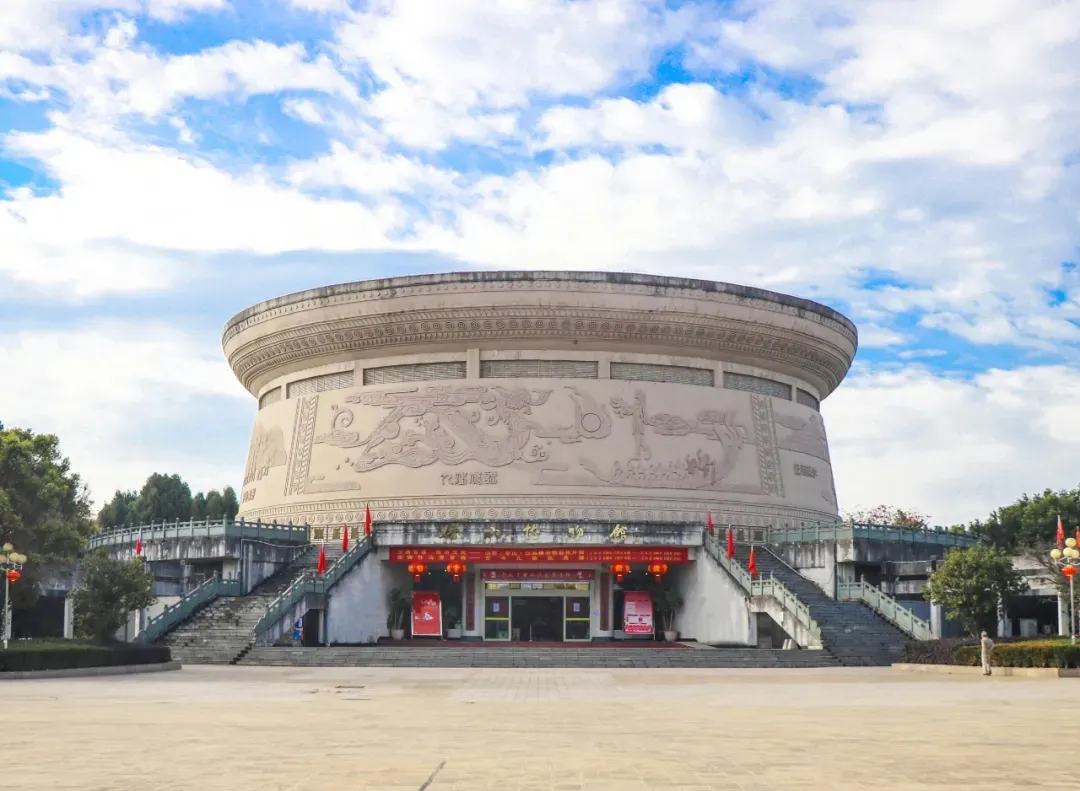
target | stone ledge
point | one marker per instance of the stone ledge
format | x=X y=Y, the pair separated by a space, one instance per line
x=90 y=672
x=968 y=670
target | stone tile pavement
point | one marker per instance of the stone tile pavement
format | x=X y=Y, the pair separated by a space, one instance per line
x=272 y=729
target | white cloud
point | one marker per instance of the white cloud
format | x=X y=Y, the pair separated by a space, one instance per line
x=99 y=387
x=955 y=449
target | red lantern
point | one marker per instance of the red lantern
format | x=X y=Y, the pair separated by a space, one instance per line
x=418 y=570
x=620 y=570
x=658 y=570
x=1068 y=571
x=14 y=576
x=457 y=569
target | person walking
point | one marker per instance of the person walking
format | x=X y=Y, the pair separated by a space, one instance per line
x=987 y=646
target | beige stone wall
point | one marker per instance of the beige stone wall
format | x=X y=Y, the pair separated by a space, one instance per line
x=536 y=449
x=546 y=449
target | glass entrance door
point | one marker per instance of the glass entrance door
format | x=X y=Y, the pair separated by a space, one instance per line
x=578 y=621
x=496 y=617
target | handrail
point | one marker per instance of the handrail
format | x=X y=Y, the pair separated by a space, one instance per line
x=174 y=614
x=771 y=587
x=887 y=607
x=310 y=582
x=228 y=528
x=847 y=531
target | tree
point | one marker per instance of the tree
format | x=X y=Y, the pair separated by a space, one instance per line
x=230 y=503
x=107 y=591
x=164 y=498
x=887 y=515
x=198 y=507
x=970 y=583
x=215 y=507
x=120 y=511
x=44 y=507
x=1031 y=522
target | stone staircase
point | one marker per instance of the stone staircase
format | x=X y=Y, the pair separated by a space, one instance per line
x=851 y=631
x=223 y=631
x=476 y=654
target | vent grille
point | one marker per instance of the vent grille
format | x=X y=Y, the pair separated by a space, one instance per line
x=320 y=384
x=757 y=384
x=806 y=399
x=539 y=369
x=415 y=372
x=270 y=397
x=675 y=374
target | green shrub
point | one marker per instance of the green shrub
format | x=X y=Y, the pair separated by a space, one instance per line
x=65 y=655
x=1008 y=652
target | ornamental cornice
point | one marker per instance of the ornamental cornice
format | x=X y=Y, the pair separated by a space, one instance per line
x=677 y=331
x=359 y=294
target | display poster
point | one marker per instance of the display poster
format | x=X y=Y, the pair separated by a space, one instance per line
x=426 y=614
x=637 y=613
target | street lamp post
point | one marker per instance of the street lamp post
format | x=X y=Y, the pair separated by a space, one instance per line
x=11 y=563
x=1068 y=559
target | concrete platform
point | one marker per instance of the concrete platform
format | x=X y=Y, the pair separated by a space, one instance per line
x=302 y=729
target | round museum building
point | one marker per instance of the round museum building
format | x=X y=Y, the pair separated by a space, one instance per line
x=537 y=425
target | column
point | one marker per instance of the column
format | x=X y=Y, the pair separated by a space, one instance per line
x=1063 y=616
x=69 y=618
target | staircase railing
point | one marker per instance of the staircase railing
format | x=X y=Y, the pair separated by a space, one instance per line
x=206 y=528
x=887 y=607
x=174 y=614
x=771 y=587
x=309 y=583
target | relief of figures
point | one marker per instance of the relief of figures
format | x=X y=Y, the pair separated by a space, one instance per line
x=452 y=425
x=267 y=451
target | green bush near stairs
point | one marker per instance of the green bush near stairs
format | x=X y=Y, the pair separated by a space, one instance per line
x=1008 y=652
x=26 y=655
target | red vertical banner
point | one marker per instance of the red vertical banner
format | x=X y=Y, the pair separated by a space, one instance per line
x=637 y=613
x=605 y=600
x=469 y=581
x=426 y=614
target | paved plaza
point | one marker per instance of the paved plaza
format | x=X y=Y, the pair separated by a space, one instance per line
x=242 y=729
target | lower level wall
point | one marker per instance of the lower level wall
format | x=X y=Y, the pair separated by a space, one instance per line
x=357 y=608
x=716 y=609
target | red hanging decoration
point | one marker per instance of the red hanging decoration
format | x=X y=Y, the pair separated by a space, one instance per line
x=138 y=544
x=730 y=543
x=752 y=565
x=320 y=569
x=1060 y=533
x=418 y=570
x=367 y=521
x=658 y=570
x=709 y=525
x=14 y=576
x=457 y=569
x=345 y=539
x=620 y=570
x=1068 y=571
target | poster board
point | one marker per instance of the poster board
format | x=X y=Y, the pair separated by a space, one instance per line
x=637 y=613
x=426 y=614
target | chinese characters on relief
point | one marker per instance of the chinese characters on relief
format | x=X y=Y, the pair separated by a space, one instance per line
x=577 y=531
x=531 y=532
x=618 y=533
x=805 y=470
x=450 y=532
x=470 y=479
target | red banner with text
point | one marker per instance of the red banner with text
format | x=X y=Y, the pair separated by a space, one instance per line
x=637 y=613
x=538 y=575
x=542 y=555
x=426 y=614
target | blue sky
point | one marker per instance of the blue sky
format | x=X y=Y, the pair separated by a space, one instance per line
x=166 y=163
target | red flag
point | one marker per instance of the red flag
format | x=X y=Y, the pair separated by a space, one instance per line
x=752 y=565
x=710 y=527
x=321 y=568
x=367 y=521
x=138 y=544
x=730 y=543
x=1060 y=533
x=345 y=539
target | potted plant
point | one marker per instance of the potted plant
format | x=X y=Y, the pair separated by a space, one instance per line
x=400 y=607
x=666 y=605
x=453 y=622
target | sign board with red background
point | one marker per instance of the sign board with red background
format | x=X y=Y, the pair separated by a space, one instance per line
x=544 y=555
x=426 y=614
x=637 y=613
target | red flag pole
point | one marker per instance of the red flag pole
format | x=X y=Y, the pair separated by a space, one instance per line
x=345 y=540
x=709 y=525
x=730 y=543
x=752 y=565
x=1060 y=533
x=367 y=520
x=320 y=569
x=138 y=544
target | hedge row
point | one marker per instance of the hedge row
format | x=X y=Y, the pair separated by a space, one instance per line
x=1008 y=652
x=52 y=655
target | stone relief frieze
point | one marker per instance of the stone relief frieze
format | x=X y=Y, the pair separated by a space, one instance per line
x=298 y=478
x=761 y=409
x=803 y=435
x=267 y=451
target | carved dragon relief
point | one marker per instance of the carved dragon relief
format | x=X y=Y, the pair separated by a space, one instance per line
x=496 y=426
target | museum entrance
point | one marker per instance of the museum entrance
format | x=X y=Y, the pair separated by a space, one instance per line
x=536 y=619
